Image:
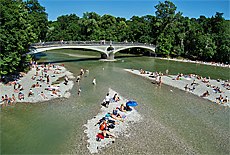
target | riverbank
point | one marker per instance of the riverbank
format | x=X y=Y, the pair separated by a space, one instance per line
x=200 y=89
x=56 y=76
x=198 y=62
x=92 y=130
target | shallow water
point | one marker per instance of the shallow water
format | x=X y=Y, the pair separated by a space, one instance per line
x=56 y=127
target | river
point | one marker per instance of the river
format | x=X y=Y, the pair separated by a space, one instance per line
x=175 y=122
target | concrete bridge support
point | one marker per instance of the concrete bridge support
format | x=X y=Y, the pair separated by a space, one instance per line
x=111 y=56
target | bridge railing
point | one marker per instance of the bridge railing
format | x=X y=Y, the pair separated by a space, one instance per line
x=86 y=43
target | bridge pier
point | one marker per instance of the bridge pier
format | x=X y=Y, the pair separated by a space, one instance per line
x=111 y=56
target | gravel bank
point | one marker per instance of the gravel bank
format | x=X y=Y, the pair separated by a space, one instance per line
x=180 y=84
x=92 y=130
x=27 y=82
x=199 y=62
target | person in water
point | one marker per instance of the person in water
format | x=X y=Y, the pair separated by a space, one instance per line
x=94 y=81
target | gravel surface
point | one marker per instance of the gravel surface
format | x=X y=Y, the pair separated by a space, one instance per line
x=199 y=62
x=27 y=82
x=201 y=88
x=92 y=130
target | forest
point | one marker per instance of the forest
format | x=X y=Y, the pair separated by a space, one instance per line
x=26 y=22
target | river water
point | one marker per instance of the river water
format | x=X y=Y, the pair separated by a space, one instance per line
x=175 y=121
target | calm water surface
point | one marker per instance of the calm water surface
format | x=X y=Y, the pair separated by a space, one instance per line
x=56 y=127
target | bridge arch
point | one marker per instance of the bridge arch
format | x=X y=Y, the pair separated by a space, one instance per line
x=106 y=49
x=127 y=47
x=101 y=49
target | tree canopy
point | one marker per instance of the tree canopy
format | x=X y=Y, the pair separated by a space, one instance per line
x=174 y=35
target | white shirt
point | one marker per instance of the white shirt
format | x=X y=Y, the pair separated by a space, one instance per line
x=107 y=98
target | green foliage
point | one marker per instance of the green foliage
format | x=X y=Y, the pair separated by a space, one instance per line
x=16 y=34
x=38 y=18
x=22 y=23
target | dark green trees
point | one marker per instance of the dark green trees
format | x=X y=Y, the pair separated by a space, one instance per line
x=22 y=23
x=16 y=34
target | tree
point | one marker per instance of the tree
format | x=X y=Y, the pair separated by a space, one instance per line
x=38 y=18
x=167 y=18
x=16 y=34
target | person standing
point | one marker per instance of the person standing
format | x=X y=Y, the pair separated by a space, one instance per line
x=48 y=79
x=78 y=79
x=160 y=81
x=107 y=100
x=167 y=72
x=66 y=80
x=79 y=91
x=94 y=81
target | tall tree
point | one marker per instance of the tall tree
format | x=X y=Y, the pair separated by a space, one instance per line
x=166 y=16
x=16 y=34
x=38 y=18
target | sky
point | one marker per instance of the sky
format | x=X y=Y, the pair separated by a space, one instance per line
x=129 y=8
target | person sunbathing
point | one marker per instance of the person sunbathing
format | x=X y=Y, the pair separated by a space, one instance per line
x=187 y=87
x=37 y=85
x=206 y=94
x=194 y=83
x=114 y=117
x=6 y=98
x=43 y=95
x=106 y=134
x=116 y=98
x=209 y=85
x=117 y=114
x=217 y=90
x=3 y=100
x=30 y=93
x=33 y=78
x=109 y=121
x=153 y=75
x=204 y=80
x=128 y=108
x=225 y=100
x=20 y=87
x=55 y=92
x=20 y=96
x=13 y=98
x=103 y=125
x=193 y=88
x=15 y=88
x=10 y=100
x=220 y=99
x=122 y=108
x=55 y=72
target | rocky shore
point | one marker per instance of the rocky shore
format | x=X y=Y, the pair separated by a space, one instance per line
x=56 y=79
x=92 y=130
x=201 y=88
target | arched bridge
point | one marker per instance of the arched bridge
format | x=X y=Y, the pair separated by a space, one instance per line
x=106 y=48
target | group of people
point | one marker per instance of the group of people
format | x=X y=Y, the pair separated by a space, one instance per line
x=41 y=76
x=8 y=100
x=17 y=89
x=111 y=119
x=216 y=89
x=202 y=62
x=221 y=100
